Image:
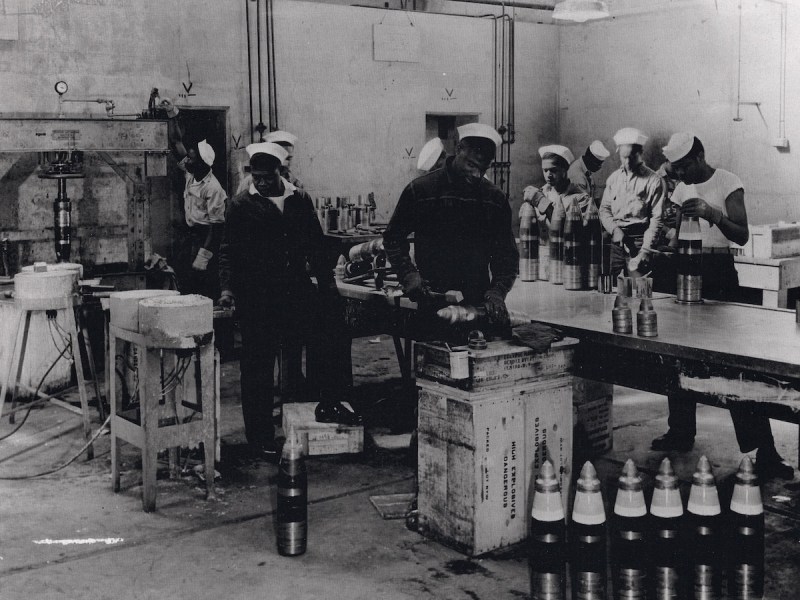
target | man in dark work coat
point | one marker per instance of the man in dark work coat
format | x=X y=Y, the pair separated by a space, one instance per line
x=271 y=234
x=462 y=237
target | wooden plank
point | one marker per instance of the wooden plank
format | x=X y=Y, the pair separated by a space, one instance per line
x=761 y=277
x=321 y=438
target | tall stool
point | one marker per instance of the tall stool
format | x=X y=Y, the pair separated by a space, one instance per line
x=48 y=291
x=174 y=383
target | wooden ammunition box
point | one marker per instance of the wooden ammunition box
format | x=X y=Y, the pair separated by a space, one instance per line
x=479 y=454
x=500 y=365
x=592 y=402
x=321 y=438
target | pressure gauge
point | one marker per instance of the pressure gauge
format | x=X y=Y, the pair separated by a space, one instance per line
x=61 y=87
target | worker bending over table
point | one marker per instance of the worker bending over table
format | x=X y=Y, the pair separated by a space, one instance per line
x=462 y=239
x=715 y=196
x=271 y=233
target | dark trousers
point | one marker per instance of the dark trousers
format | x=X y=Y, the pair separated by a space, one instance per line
x=205 y=283
x=720 y=282
x=316 y=323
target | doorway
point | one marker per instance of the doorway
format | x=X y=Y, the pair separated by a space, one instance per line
x=201 y=123
x=445 y=127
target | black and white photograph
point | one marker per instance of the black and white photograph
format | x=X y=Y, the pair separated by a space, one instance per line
x=400 y=299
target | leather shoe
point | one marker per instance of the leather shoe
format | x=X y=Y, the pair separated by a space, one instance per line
x=770 y=465
x=336 y=412
x=671 y=442
x=269 y=451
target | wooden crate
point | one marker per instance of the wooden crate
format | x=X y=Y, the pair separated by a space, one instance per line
x=778 y=240
x=321 y=438
x=595 y=418
x=592 y=402
x=500 y=365
x=479 y=454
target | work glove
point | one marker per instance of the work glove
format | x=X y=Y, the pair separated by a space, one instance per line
x=530 y=192
x=169 y=106
x=495 y=305
x=414 y=286
x=697 y=207
x=201 y=260
x=227 y=299
x=617 y=236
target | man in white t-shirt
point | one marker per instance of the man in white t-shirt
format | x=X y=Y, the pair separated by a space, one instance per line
x=716 y=197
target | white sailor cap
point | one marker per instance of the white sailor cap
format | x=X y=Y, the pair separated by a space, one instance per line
x=269 y=148
x=281 y=137
x=480 y=130
x=630 y=135
x=558 y=150
x=678 y=146
x=206 y=152
x=429 y=154
x=598 y=149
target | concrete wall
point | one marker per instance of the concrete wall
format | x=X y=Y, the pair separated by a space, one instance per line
x=666 y=70
x=361 y=122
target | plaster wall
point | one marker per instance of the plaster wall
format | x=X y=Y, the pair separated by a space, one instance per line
x=678 y=70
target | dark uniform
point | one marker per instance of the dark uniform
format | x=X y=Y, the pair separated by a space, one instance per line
x=462 y=236
x=262 y=260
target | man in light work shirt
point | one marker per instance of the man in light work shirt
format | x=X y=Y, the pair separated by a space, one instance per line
x=204 y=208
x=581 y=170
x=630 y=210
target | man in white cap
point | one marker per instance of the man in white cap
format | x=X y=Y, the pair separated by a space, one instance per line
x=271 y=234
x=630 y=210
x=462 y=231
x=558 y=186
x=432 y=155
x=716 y=197
x=581 y=170
x=204 y=209
x=287 y=141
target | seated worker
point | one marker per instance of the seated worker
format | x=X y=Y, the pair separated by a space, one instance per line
x=204 y=209
x=271 y=233
x=558 y=187
x=463 y=238
x=716 y=196
x=581 y=170
x=432 y=155
x=630 y=210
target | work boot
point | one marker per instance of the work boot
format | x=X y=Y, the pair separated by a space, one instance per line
x=672 y=442
x=770 y=464
x=267 y=450
x=336 y=412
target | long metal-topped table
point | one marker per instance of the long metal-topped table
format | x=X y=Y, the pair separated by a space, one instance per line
x=731 y=335
x=718 y=352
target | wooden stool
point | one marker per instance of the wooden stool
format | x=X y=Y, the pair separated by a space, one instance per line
x=177 y=405
x=26 y=307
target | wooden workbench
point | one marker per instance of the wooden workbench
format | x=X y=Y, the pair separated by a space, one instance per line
x=776 y=277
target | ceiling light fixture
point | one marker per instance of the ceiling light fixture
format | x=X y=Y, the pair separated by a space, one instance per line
x=580 y=11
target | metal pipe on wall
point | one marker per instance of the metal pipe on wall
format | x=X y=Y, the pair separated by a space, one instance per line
x=249 y=65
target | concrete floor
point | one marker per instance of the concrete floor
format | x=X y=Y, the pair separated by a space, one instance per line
x=67 y=535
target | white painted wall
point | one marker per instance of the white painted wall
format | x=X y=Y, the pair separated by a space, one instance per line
x=666 y=70
x=360 y=122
